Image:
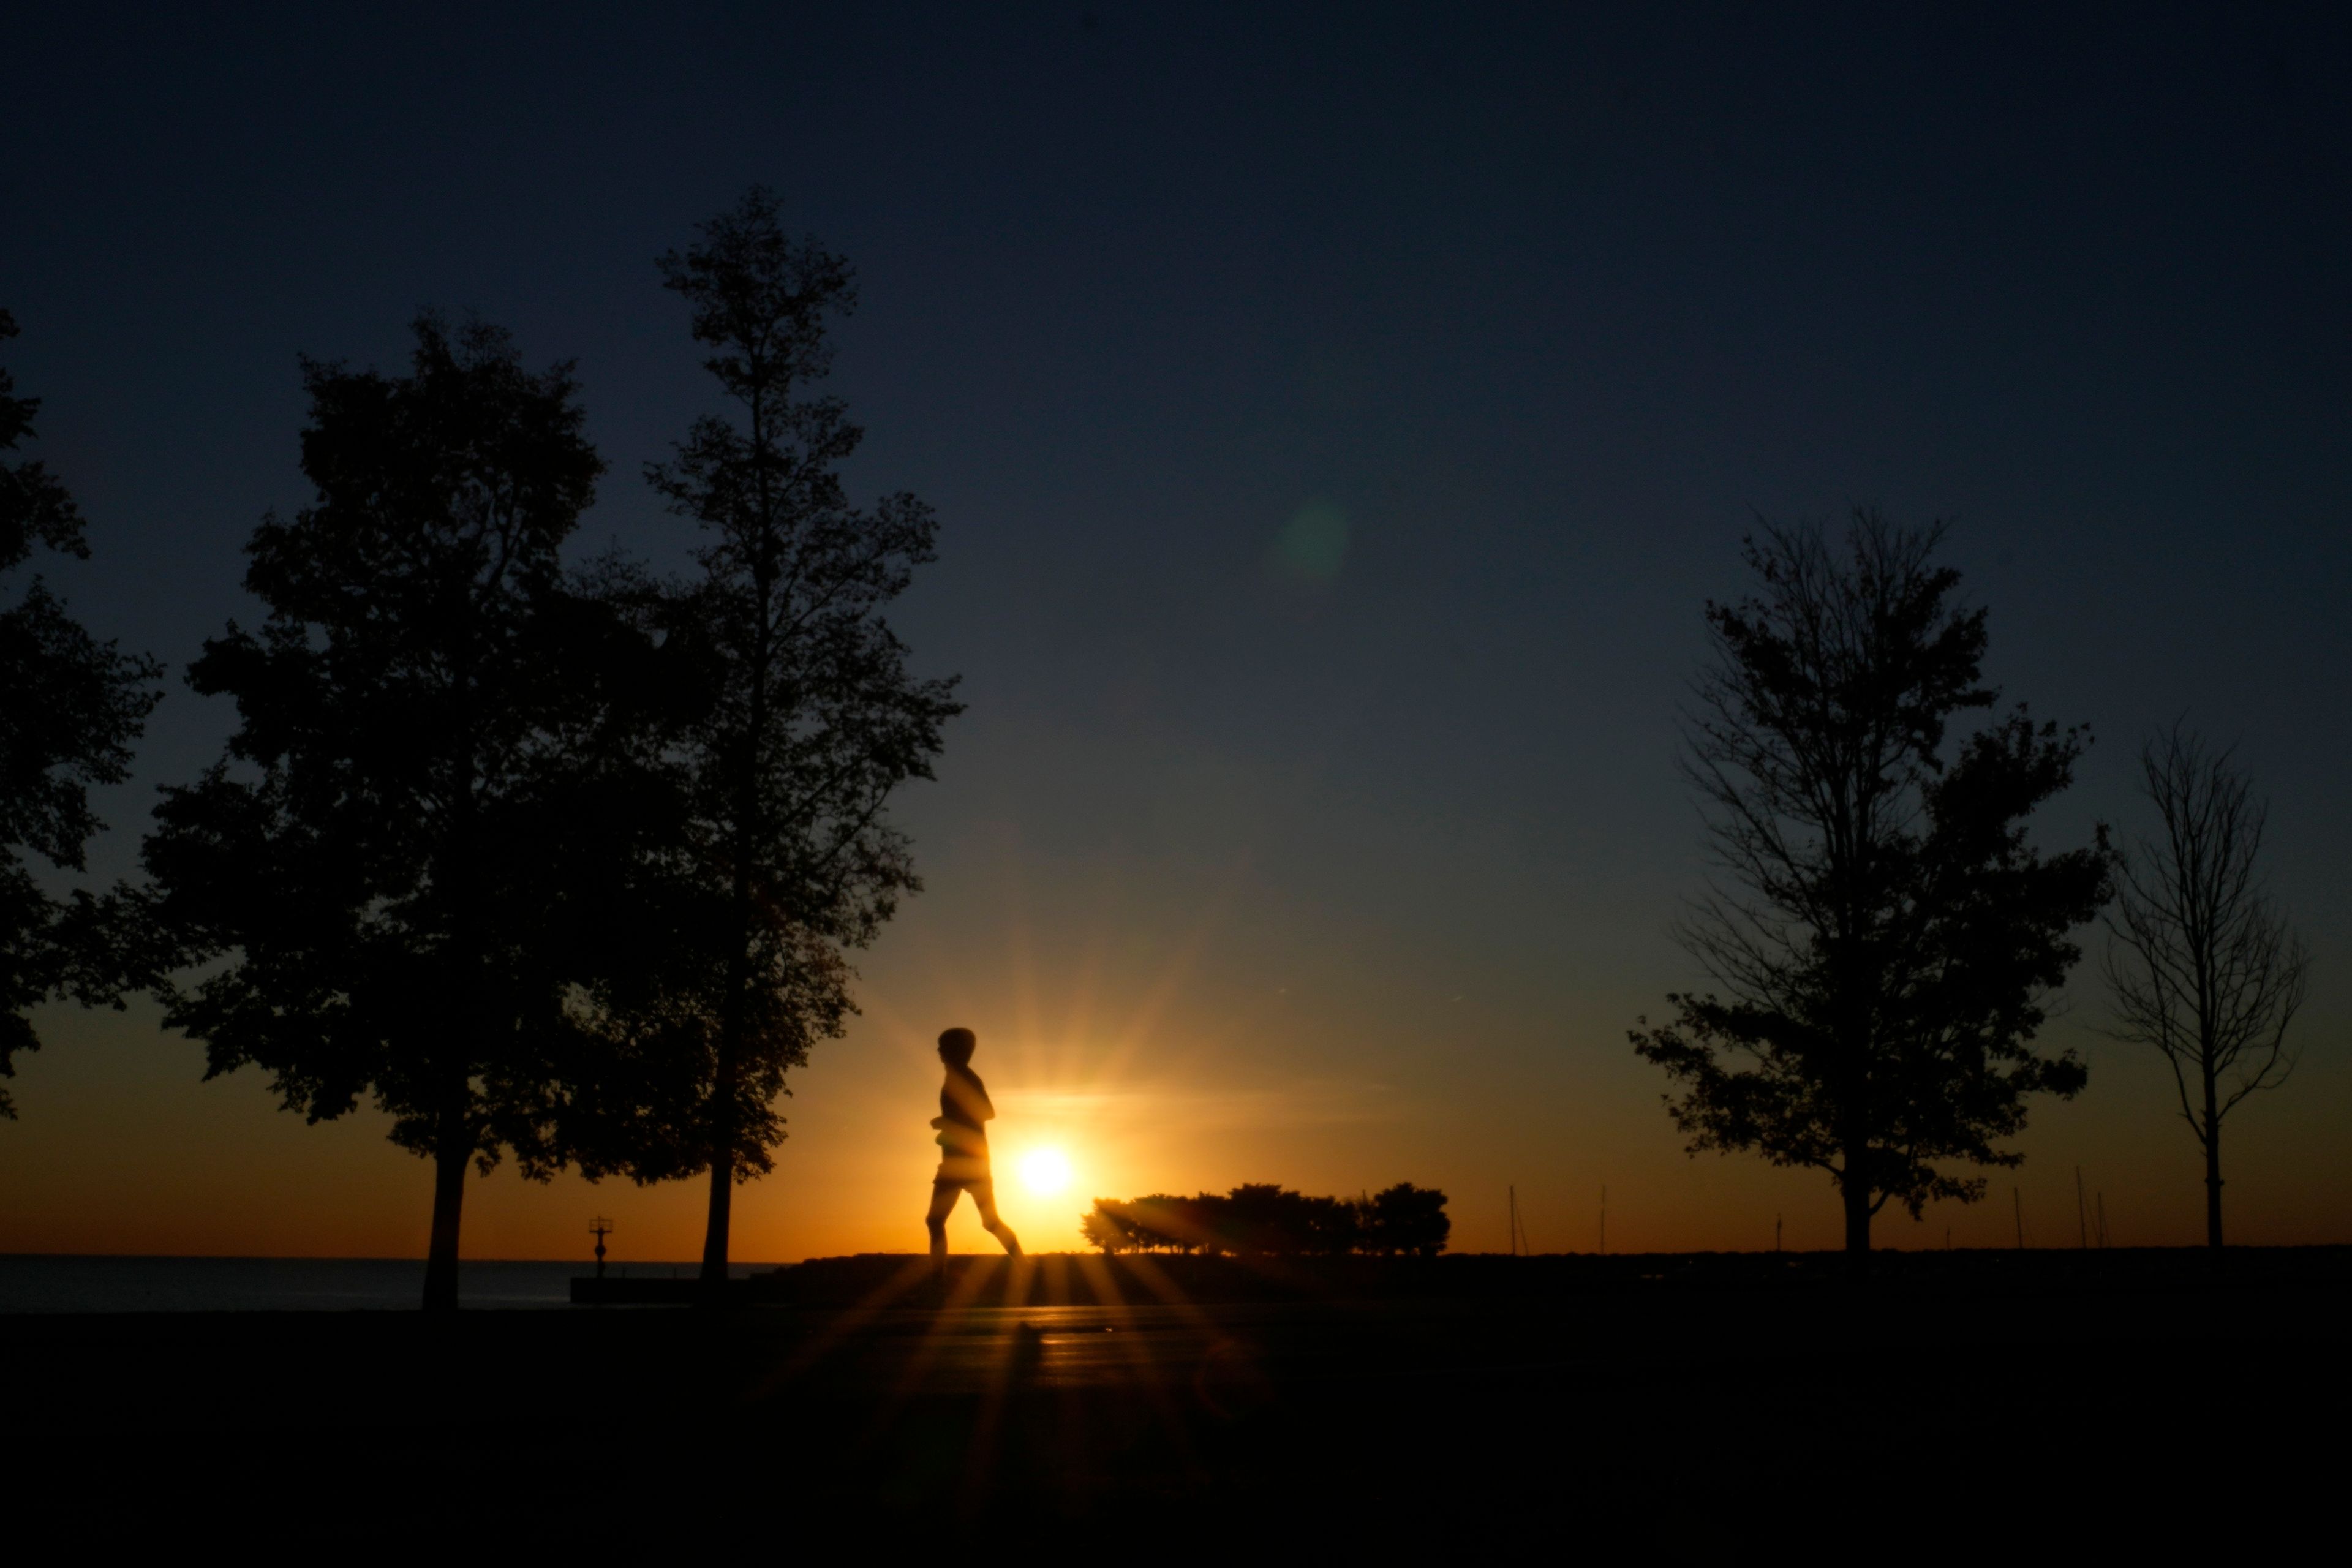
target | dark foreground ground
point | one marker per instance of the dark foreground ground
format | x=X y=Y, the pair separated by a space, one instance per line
x=1684 y=1400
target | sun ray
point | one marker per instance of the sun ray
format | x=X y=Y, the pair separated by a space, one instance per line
x=841 y=1325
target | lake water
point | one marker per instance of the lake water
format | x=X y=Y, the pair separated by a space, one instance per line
x=34 y=1283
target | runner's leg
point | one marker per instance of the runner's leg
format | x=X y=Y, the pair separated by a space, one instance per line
x=983 y=1197
x=943 y=1202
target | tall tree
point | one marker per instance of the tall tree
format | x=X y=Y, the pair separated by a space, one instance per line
x=2203 y=967
x=816 y=719
x=1881 y=932
x=71 y=709
x=370 y=869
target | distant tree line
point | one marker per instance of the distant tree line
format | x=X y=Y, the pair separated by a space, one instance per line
x=1261 y=1218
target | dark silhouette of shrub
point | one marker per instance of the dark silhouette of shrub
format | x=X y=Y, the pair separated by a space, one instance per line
x=1265 y=1220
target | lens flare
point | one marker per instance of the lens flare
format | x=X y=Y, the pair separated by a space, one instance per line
x=1044 y=1172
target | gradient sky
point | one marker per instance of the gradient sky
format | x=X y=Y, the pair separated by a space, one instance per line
x=1336 y=424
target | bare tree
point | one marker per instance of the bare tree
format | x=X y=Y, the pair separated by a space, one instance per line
x=2203 y=967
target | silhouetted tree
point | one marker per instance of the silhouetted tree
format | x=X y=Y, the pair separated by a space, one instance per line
x=1881 y=933
x=2202 y=966
x=71 y=708
x=1332 y=1226
x=816 y=719
x=1145 y=1225
x=643 y=931
x=1259 y=1217
x=1406 y=1218
x=1163 y=1222
x=1108 y=1227
x=372 y=874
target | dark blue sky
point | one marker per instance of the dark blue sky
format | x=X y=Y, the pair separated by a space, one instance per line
x=1336 y=421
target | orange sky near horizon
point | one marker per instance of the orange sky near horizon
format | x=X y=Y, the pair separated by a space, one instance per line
x=1189 y=1040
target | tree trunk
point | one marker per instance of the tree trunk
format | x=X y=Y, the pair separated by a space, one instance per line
x=746 y=842
x=722 y=1128
x=722 y=1208
x=1854 y=1120
x=730 y=1037
x=451 y=1153
x=1856 y=1194
x=2212 y=1168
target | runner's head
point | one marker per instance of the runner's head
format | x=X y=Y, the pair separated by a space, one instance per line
x=956 y=1046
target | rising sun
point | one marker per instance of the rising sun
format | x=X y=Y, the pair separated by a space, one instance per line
x=1044 y=1172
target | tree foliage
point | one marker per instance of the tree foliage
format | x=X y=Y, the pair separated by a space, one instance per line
x=1263 y=1219
x=73 y=707
x=2203 y=965
x=814 y=720
x=1882 y=935
x=378 y=879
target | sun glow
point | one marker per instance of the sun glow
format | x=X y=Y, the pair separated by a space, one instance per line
x=1045 y=1171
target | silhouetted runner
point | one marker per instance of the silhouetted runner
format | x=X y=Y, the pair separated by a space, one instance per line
x=964 y=1118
